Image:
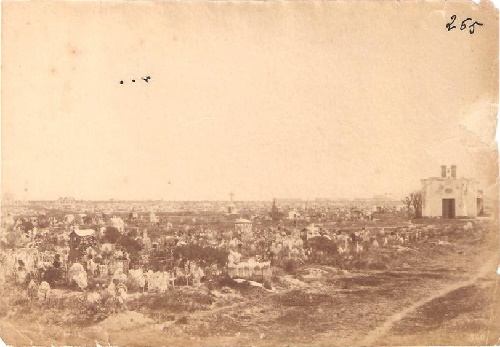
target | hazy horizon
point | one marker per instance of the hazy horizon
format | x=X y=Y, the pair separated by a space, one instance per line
x=208 y=200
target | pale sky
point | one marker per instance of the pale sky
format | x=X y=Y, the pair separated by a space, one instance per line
x=263 y=99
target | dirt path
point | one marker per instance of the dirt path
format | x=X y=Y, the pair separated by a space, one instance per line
x=372 y=337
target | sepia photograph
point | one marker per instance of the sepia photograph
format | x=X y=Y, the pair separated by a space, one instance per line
x=249 y=173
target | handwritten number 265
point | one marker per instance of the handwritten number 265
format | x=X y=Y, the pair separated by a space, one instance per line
x=463 y=25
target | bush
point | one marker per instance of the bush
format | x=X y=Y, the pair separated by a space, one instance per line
x=84 y=313
x=267 y=284
x=129 y=244
x=53 y=276
x=208 y=255
x=159 y=260
x=111 y=235
x=226 y=282
x=322 y=244
x=290 y=265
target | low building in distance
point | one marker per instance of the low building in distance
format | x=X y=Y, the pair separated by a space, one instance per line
x=449 y=197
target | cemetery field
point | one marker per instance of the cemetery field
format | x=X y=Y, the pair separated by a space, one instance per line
x=439 y=292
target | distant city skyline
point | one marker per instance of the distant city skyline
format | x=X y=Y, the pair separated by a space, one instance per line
x=283 y=109
x=11 y=197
